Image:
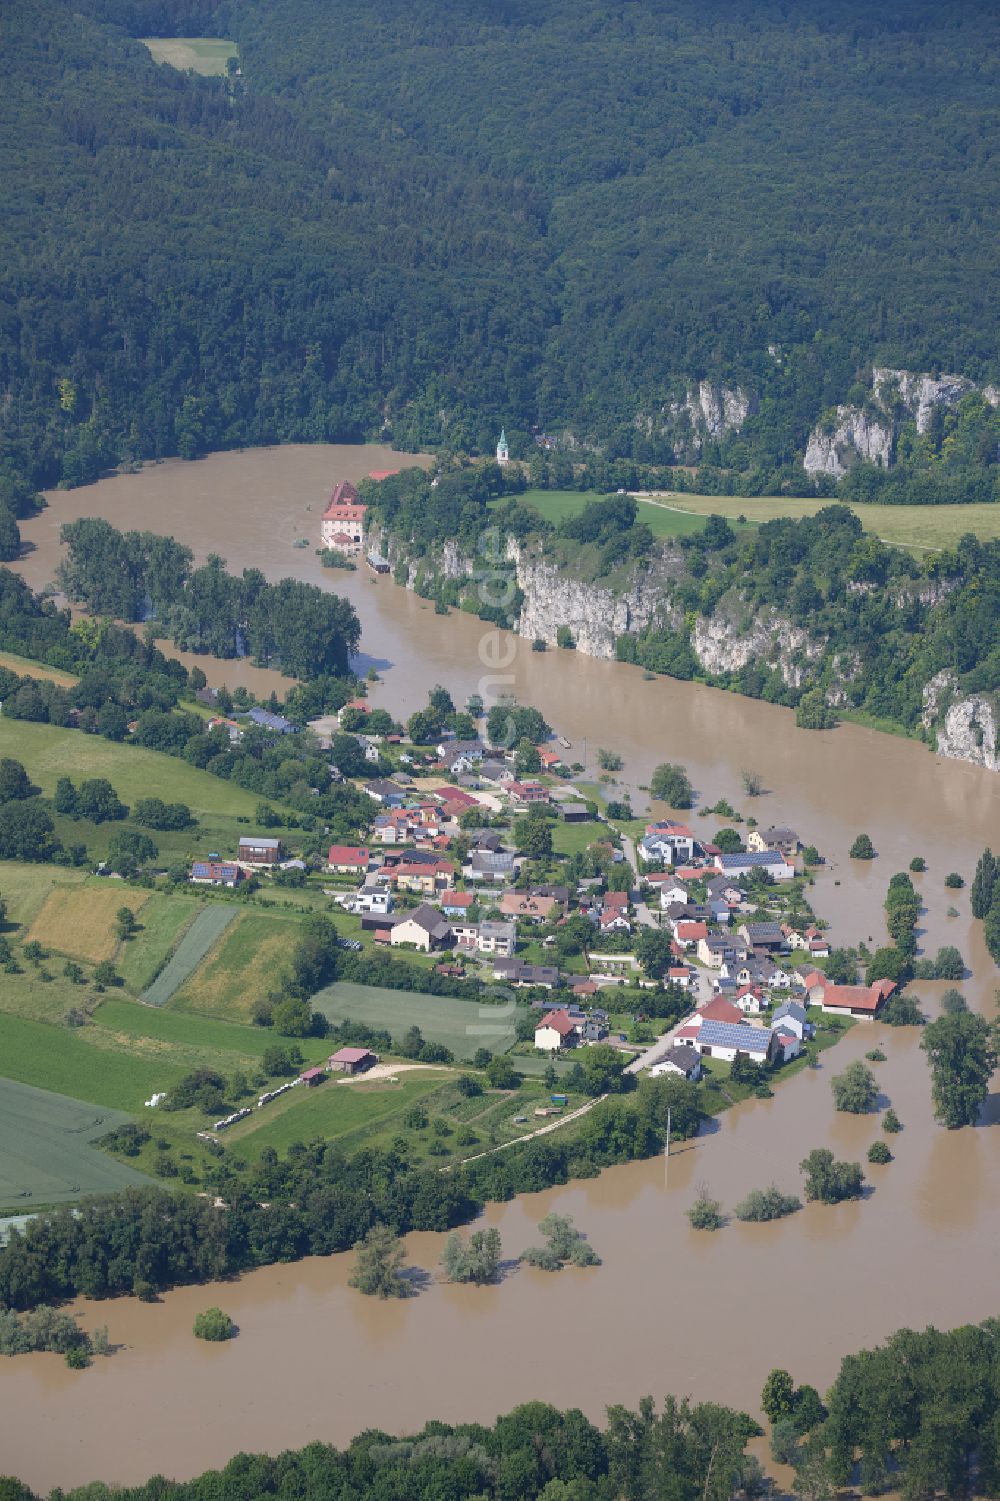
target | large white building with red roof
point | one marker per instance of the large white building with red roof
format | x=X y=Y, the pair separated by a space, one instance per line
x=343 y=523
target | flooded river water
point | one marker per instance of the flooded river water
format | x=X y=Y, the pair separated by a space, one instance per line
x=670 y=1310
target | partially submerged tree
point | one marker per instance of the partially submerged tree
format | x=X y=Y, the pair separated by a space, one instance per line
x=855 y=1090
x=565 y=1246
x=962 y=1051
x=378 y=1271
x=474 y=1260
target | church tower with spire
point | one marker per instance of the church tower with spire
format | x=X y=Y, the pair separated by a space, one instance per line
x=503 y=453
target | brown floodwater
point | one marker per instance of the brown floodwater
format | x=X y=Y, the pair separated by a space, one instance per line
x=670 y=1310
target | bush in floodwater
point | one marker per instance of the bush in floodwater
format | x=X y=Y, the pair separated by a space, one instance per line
x=891 y=1122
x=766 y=1204
x=214 y=1325
x=862 y=848
x=564 y=1246
x=878 y=1152
x=705 y=1213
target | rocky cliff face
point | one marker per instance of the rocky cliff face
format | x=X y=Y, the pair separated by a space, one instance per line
x=854 y=433
x=707 y=413
x=835 y=446
x=965 y=729
x=919 y=394
x=596 y=616
x=724 y=643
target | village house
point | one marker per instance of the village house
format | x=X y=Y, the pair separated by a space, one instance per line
x=360 y=704
x=490 y=866
x=352 y=1060
x=680 y=1060
x=425 y=928
x=525 y=794
x=613 y=920
x=724 y=889
x=690 y=934
x=276 y=723
x=253 y=850
x=522 y=904
x=666 y=843
x=861 y=1001
x=788 y=1043
x=369 y=899
x=672 y=892
x=793 y=1017
x=770 y=861
x=461 y=755
x=348 y=859
x=233 y=730
x=549 y=759
x=574 y=812
x=216 y=873
x=786 y=841
x=713 y=949
x=497 y=939
x=762 y=935
x=422 y=874
x=724 y=1040
x=387 y=794
x=343 y=522
x=518 y=972
x=456 y=903
x=556 y=1031
x=750 y=999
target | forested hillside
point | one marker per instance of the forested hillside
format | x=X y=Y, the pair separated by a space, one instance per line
x=421 y=219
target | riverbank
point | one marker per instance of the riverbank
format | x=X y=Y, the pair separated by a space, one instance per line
x=316 y=1360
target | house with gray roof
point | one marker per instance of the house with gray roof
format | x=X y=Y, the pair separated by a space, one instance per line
x=790 y=1014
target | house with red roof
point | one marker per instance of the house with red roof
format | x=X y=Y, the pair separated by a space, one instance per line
x=343 y=522
x=864 y=1002
x=348 y=859
x=556 y=1031
x=689 y=934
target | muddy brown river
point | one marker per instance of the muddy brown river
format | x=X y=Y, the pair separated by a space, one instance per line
x=670 y=1310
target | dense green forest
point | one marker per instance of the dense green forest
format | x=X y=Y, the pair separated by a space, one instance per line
x=419 y=220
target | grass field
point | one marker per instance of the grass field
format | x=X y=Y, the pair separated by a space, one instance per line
x=678 y=514
x=80 y=920
x=922 y=528
x=161 y=923
x=49 y=753
x=26 y=668
x=242 y=965
x=71 y=1062
x=26 y=887
x=188 y=1041
x=46 y=1151
x=205 y=930
x=462 y=1026
x=333 y=1111
x=203 y=54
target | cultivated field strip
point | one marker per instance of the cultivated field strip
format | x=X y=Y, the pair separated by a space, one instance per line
x=207 y=928
x=47 y=1154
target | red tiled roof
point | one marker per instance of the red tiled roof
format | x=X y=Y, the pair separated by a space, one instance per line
x=858 y=997
x=720 y=1010
x=380 y=474
x=348 y=854
x=691 y=932
x=559 y=1021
